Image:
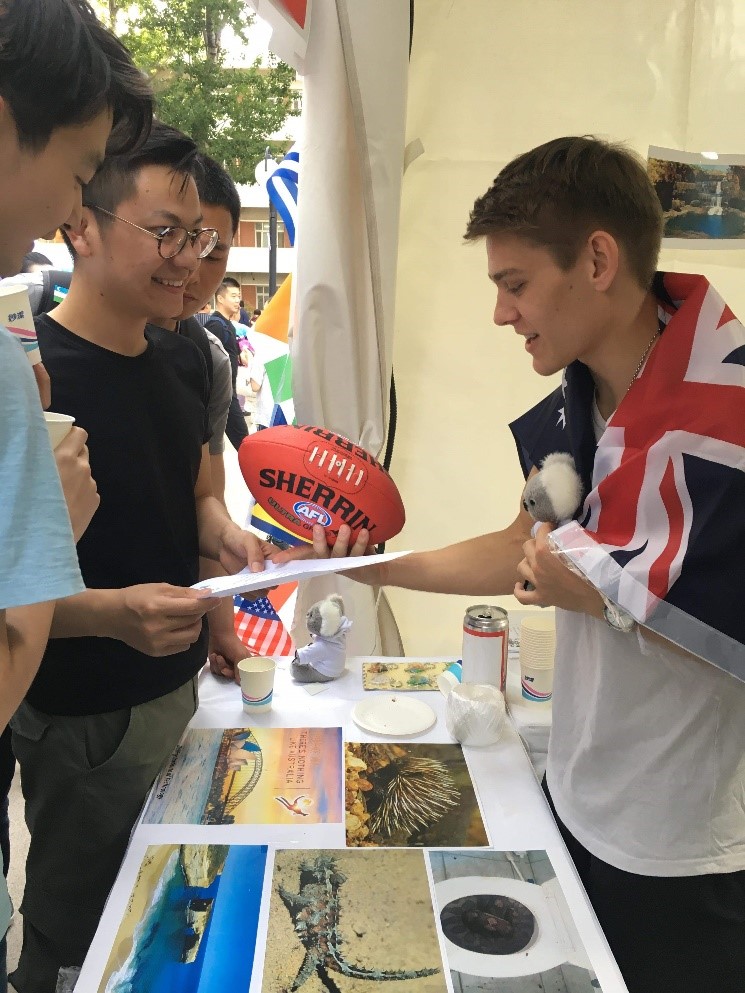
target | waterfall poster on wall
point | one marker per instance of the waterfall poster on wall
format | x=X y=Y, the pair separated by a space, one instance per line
x=239 y=776
x=702 y=196
x=507 y=925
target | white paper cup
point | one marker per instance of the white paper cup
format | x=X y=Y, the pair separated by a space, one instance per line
x=58 y=426
x=257 y=683
x=16 y=315
x=537 y=683
x=537 y=649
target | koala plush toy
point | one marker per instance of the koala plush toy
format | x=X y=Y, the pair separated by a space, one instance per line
x=324 y=658
x=553 y=494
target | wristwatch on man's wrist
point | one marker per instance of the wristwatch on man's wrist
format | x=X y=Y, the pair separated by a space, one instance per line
x=617 y=618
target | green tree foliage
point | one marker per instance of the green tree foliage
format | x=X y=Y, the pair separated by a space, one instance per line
x=228 y=111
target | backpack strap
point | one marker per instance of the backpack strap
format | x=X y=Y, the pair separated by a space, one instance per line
x=54 y=286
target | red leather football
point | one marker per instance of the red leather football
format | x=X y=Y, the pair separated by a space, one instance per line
x=304 y=475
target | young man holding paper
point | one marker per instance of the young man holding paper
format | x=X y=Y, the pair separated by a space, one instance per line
x=64 y=80
x=117 y=684
x=221 y=208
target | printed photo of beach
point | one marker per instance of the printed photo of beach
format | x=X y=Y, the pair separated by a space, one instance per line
x=190 y=923
x=251 y=776
x=405 y=795
x=351 y=921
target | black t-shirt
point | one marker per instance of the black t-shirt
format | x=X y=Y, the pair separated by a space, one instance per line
x=146 y=423
x=194 y=331
x=223 y=329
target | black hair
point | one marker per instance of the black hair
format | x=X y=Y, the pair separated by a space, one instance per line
x=34 y=258
x=60 y=67
x=229 y=283
x=217 y=189
x=116 y=180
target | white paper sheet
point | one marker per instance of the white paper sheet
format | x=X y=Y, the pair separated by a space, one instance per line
x=290 y=572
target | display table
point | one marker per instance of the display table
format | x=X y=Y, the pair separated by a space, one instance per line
x=512 y=804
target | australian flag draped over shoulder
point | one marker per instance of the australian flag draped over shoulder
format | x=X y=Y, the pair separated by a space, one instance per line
x=282 y=188
x=662 y=529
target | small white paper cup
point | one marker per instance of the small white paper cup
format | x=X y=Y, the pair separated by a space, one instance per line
x=257 y=683
x=537 y=683
x=58 y=426
x=537 y=648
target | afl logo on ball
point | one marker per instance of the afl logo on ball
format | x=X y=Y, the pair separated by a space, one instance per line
x=312 y=513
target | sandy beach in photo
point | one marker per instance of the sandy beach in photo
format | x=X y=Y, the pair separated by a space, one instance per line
x=150 y=874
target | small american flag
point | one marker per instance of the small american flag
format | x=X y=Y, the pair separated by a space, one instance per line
x=260 y=627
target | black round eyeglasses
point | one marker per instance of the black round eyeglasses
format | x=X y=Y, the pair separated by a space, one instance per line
x=171 y=240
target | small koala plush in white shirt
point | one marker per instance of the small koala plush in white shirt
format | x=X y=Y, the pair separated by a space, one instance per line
x=324 y=658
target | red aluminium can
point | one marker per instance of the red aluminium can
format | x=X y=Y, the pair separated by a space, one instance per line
x=485 y=643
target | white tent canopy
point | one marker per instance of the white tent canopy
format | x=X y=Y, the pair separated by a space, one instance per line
x=488 y=79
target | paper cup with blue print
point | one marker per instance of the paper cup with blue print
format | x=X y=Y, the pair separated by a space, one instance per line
x=16 y=315
x=537 y=647
x=257 y=683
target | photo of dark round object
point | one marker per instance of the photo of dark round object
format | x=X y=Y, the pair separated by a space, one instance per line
x=488 y=924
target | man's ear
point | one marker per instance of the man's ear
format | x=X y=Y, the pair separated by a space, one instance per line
x=604 y=257
x=84 y=236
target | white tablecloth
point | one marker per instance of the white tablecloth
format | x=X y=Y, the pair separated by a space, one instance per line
x=515 y=812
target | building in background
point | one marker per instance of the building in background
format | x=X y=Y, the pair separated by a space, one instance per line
x=248 y=261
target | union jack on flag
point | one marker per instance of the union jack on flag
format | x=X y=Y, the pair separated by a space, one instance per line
x=260 y=627
x=662 y=529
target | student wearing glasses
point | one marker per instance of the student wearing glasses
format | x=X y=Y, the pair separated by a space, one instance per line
x=117 y=683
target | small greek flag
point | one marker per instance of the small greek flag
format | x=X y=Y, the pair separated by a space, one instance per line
x=282 y=189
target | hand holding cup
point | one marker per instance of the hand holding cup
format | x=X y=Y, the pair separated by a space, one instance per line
x=78 y=485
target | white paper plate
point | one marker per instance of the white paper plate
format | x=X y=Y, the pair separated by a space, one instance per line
x=393 y=715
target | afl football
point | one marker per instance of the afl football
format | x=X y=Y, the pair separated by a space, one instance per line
x=303 y=475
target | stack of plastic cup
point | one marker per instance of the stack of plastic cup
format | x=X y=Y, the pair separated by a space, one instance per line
x=537 y=647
